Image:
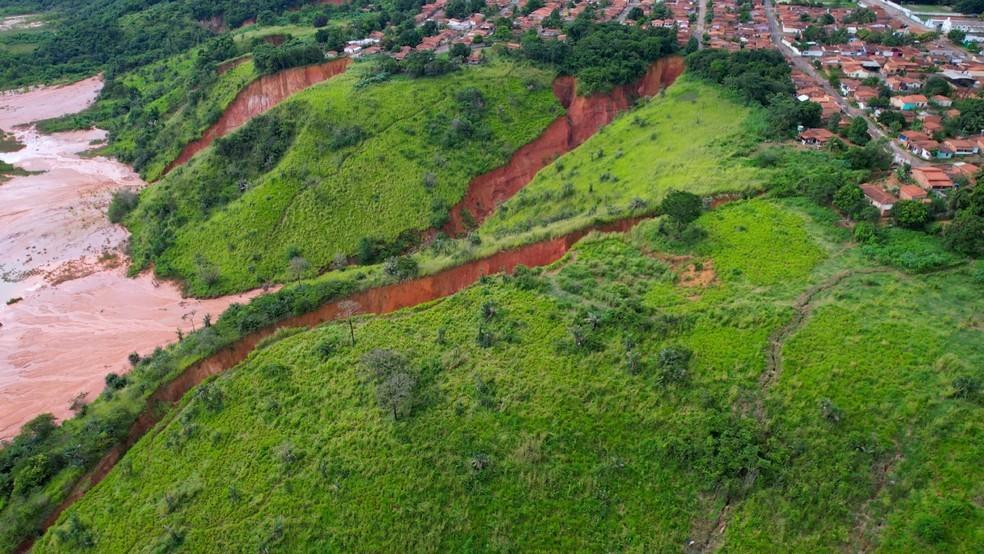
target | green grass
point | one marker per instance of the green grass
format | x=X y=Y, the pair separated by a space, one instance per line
x=533 y=442
x=154 y=111
x=691 y=138
x=320 y=200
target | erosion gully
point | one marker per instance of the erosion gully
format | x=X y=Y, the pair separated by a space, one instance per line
x=584 y=117
x=259 y=97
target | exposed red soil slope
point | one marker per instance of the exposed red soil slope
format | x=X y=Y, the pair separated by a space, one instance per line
x=379 y=300
x=259 y=97
x=585 y=115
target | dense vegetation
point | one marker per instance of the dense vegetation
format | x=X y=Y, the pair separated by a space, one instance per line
x=343 y=166
x=601 y=55
x=121 y=35
x=774 y=392
x=761 y=77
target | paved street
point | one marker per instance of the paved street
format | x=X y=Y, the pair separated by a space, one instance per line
x=803 y=65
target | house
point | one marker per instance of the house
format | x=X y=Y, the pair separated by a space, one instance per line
x=963 y=172
x=912 y=192
x=879 y=197
x=931 y=178
x=909 y=102
x=941 y=101
x=815 y=137
x=910 y=135
x=962 y=147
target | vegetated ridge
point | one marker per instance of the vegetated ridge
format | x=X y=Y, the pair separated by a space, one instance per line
x=259 y=97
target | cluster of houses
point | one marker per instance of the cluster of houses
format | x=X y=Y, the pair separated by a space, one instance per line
x=472 y=31
x=734 y=25
x=926 y=180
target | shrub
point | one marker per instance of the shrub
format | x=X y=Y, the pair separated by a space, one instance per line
x=122 y=203
x=910 y=214
x=673 y=362
x=682 y=207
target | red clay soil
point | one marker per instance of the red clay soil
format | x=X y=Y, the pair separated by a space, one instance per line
x=585 y=115
x=378 y=300
x=259 y=97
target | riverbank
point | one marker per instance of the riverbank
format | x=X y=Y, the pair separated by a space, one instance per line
x=68 y=313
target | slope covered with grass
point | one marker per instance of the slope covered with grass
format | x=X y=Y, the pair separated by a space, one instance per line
x=692 y=137
x=609 y=402
x=341 y=162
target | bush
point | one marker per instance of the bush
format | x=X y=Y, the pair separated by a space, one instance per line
x=673 y=363
x=910 y=214
x=682 y=207
x=122 y=203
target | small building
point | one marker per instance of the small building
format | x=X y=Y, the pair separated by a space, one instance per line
x=962 y=147
x=909 y=102
x=931 y=178
x=815 y=137
x=879 y=197
x=912 y=192
x=942 y=101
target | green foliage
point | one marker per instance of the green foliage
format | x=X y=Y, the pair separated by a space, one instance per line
x=910 y=214
x=909 y=250
x=602 y=55
x=385 y=138
x=122 y=203
x=270 y=59
x=692 y=138
x=681 y=206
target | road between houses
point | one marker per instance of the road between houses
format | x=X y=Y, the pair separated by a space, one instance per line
x=701 y=15
x=901 y=155
x=915 y=27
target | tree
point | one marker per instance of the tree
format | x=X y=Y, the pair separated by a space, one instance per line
x=849 y=199
x=390 y=371
x=910 y=214
x=636 y=13
x=122 y=203
x=673 y=363
x=936 y=85
x=682 y=207
x=957 y=36
x=892 y=119
x=966 y=234
x=297 y=267
x=459 y=50
x=347 y=309
x=401 y=267
x=857 y=131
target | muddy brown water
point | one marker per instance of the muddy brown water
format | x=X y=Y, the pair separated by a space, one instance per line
x=79 y=315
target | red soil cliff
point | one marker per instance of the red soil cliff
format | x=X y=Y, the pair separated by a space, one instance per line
x=585 y=115
x=259 y=97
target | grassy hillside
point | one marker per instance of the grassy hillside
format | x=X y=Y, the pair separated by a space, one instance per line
x=350 y=162
x=693 y=137
x=623 y=399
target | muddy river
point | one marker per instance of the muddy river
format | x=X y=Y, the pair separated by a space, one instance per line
x=68 y=313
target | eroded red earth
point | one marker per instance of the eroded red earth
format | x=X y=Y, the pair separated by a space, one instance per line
x=259 y=97
x=584 y=116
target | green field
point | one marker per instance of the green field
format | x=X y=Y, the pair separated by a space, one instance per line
x=693 y=137
x=354 y=162
x=552 y=411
